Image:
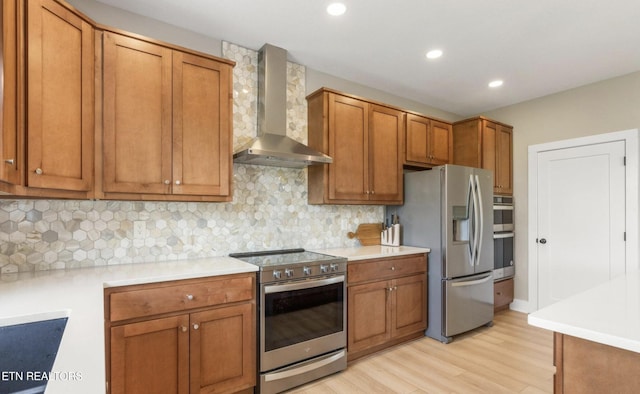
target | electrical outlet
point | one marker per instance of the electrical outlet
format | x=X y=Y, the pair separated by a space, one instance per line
x=139 y=229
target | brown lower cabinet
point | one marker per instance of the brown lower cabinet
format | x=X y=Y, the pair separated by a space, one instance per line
x=502 y=294
x=387 y=303
x=584 y=366
x=191 y=336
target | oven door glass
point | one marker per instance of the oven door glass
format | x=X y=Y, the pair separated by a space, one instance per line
x=503 y=255
x=302 y=311
x=503 y=218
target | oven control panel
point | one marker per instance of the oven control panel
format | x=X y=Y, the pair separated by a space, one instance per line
x=302 y=271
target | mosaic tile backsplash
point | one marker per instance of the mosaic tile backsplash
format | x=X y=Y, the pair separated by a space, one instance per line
x=269 y=209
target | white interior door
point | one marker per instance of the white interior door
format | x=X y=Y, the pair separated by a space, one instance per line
x=580 y=218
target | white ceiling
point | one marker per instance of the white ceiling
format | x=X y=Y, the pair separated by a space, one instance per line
x=537 y=47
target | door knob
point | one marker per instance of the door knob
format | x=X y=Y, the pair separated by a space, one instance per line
x=543 y=241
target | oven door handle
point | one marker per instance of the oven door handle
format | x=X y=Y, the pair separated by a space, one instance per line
x=305 y=284
x=305 y=368
x=502 y=235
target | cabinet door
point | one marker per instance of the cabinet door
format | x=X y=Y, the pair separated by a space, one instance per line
x=137 y=116
x=10 y=161
x=348 y=142
x=369 y=320
x=489 y=135
x=201 y=126
x=417 y=141
x=440 y=143
x=223 y=349
x=60 y=98
x=504 y=175
x=409 y=305
x=151 y=357
x=386 y=132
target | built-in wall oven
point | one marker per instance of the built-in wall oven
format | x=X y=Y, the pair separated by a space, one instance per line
x=301 y=317
x=503 y=237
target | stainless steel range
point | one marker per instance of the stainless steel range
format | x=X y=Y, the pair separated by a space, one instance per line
x=301 y=316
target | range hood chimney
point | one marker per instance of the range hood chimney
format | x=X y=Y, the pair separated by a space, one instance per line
x=272 y=147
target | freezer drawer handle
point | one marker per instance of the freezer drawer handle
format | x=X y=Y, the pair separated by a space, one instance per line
x=472 y=282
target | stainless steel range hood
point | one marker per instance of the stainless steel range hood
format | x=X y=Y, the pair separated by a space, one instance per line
x=272 y=147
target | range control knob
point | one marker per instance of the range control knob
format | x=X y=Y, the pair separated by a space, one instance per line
x=277 y=274
x=288 y=272
x=306 y=271
x=324 y=268
x=334 y=267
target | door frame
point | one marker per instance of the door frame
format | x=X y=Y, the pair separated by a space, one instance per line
x=631 y=138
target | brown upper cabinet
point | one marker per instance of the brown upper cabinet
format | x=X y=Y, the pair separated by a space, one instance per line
x=428 y=142
x=167 y=122
x=365 y=140
x=88 y=113
x=484 y=143
x=48 y=100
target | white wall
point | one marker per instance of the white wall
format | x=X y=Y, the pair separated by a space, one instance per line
x=602 y=107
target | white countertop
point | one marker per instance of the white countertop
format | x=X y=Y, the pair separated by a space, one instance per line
x=607 y=314
x=78 y=294
x=372 y=252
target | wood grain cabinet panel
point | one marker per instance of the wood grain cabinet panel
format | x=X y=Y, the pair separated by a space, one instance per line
x=48 y=100
x=484 y=143
x=583 y=366
x=365 y=140
x=428 y=142
x=387 y=303
x=167 y=123
x=502 y=294
x=188 y=336
x=151 y=356
x=12 y=156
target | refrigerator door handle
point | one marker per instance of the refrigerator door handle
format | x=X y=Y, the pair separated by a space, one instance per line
x=471 y=223
x=476 y=220
x=481 y=223
x=472 y=282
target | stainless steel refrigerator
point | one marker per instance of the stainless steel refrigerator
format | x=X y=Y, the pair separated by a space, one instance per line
x=449 y=209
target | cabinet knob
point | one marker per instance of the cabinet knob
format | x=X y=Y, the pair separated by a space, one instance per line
x=166 y=181
x=10 y=161
x=390 y=289
x=190 y=297
x=393 y=268
x=178 y=182
x=39 y=171
x=196 y=326
x=373 y=192
x=183 y=328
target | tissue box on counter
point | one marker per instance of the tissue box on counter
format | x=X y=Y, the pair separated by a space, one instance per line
x=390 y=236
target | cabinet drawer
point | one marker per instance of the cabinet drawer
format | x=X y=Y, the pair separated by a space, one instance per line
x=502 y=293
x=387 y=268
x=178 y=296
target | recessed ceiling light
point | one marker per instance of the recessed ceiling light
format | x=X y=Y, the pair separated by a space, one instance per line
x=434 y=54
x=496 y=84
x=336 y=9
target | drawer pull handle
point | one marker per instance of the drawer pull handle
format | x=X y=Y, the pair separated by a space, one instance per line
x=196 y=326
x=190 y=297
x=393 y=268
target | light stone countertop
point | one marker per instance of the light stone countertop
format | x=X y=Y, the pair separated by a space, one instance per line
x=78 y=294
x=372 y=252
x=607 y=314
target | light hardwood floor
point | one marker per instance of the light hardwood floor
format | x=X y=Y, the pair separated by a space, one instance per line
x=510 y=357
